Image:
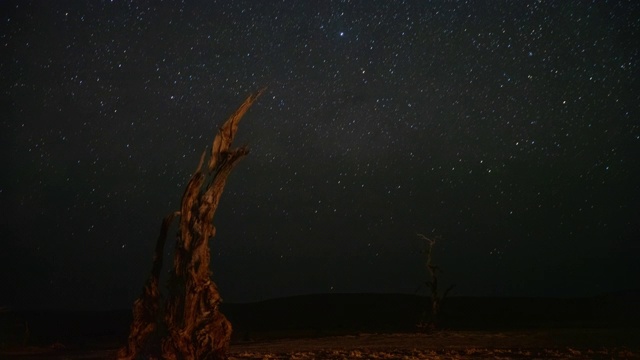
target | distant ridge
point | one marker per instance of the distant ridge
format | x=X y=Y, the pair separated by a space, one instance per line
x=401 y=312
x=629 y=293
x=328 y=314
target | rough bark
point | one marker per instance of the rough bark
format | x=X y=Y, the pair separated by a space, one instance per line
x=188 y=323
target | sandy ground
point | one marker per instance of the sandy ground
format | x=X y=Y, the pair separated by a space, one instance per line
x=547 y=344
x=534 y=344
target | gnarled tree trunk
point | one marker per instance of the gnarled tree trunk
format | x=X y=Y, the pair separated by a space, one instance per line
x=188 y=323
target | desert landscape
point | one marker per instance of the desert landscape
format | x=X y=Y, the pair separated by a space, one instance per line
x=364 y=326
x=412 y=180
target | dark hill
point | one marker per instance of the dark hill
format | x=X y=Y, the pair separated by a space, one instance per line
x=328 y=314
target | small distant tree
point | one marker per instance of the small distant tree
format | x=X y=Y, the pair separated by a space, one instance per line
x=432 y=284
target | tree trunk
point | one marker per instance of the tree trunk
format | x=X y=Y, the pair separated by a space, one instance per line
x=188 y=324
x=436 y=298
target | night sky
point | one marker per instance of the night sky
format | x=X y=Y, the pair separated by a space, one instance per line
x=510 y=129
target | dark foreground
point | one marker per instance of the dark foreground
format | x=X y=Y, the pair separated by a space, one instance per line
x=363 y=327
x=538 y=344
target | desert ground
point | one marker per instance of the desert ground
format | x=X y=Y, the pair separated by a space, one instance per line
x=537 y=344
x=363 y=326
x=540 y=344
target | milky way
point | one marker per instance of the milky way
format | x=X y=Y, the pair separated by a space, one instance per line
x=509 y=129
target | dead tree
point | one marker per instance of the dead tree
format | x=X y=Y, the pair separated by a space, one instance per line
x=188 y=324
x=432 y=284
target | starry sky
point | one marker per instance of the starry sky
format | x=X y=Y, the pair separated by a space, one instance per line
x=509 y=129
